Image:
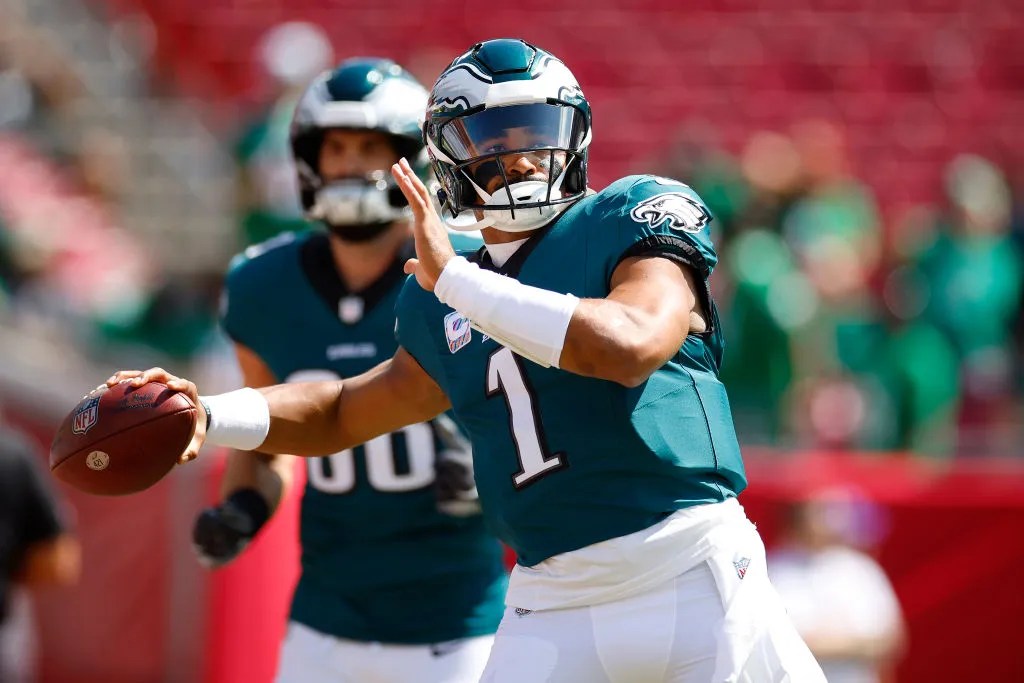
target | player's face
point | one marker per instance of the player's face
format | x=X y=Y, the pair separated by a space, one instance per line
x=355 y=154
x=518 y=166
x=514 y=143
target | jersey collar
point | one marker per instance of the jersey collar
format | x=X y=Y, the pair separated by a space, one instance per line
x=321 y=271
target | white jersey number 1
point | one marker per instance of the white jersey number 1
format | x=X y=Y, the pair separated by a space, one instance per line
x=505 y=377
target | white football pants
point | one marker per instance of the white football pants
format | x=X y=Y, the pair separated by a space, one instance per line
x=309 y=656
x=721 y=621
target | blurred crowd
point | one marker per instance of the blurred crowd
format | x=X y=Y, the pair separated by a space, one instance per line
x=848 y=327
x=67 y=263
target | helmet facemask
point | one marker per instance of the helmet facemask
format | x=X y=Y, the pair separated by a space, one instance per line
x=369 y=201
x=355 y=209
x=474 y=153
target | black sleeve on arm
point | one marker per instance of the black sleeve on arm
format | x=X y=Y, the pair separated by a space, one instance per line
x=684 y=253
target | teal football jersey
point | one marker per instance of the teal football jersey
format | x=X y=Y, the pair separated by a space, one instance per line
x=379 y=561
x=564 y=461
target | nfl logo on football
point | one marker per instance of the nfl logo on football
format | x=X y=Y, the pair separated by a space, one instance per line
x=86 y=416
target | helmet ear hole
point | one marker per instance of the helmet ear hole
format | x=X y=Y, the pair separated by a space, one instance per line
x=306 y=154
x=464 y=190
x=576 y=175
x=453 y=188
x=442 y=197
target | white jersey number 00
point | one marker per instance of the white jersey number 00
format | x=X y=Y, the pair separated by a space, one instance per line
x=381 y=468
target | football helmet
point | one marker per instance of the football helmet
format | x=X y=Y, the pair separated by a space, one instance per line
x=359 y=94
x=506 y=99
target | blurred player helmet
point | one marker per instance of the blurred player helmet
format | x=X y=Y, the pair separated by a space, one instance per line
x=500 y=97
x=360 y=94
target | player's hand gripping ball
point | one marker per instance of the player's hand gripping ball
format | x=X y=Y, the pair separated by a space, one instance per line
x=122 y=439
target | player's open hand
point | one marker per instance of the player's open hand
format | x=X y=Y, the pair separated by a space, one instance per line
x=433 y=248
x=139 y=377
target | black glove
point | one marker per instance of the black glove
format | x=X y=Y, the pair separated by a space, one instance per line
x=454 y=485
x=222 y=532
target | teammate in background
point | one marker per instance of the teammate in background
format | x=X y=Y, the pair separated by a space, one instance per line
x=581 y=352
x=394 y=549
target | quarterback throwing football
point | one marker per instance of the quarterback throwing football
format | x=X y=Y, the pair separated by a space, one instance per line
x=580 y=350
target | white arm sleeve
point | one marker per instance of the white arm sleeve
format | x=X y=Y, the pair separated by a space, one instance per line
x=528 y=320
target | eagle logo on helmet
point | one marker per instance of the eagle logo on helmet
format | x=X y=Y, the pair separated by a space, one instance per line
x=681 y=212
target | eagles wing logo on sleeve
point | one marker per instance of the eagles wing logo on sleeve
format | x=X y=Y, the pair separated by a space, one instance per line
x=682 y=212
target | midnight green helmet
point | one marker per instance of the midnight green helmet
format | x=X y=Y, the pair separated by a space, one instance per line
x=359 y=94
x=500 y=97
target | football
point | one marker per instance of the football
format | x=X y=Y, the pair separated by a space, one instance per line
x=122 y=439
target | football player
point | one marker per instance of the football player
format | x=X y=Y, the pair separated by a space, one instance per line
x=399 y=579
x=581 y=352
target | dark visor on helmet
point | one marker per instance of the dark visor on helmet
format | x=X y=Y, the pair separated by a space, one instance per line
x=513 y=128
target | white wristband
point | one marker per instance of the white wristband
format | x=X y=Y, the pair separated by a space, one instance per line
x=238 y=419
x=529 y=320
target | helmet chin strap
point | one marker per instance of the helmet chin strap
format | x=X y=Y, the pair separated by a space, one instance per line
x=527 y=218
x=466 y=221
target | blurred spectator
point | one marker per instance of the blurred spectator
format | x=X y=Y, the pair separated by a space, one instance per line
x=806 y=331
x=834 y=203
x=838 y=597
x=177 y=319
x=38 y=80
x=920 y=370
x=1017 y=232
x=773 y=169
x=35 y=550
x=834 y=231
x=769 y=301
x=100 y=165
x=38 y=85
x=921 y=367
x=764 y=298
x=268 y=203
x=975 y=270
x=696 y=159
